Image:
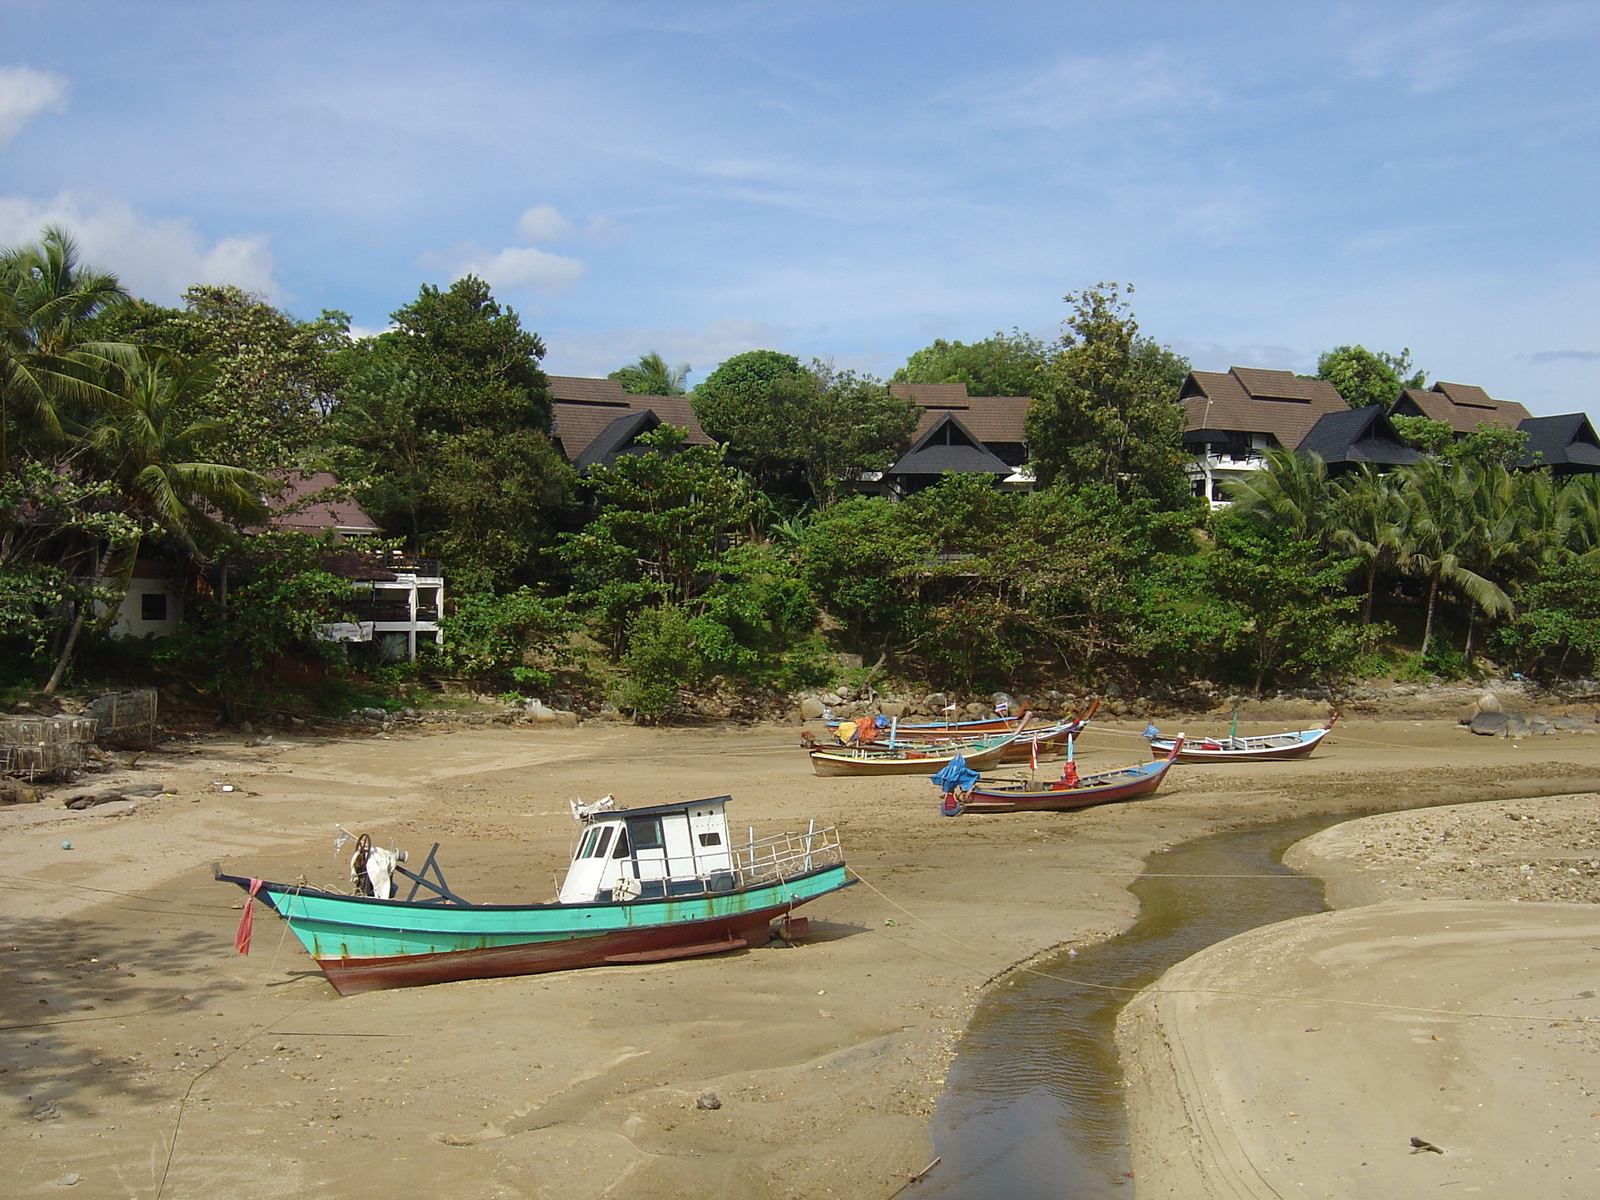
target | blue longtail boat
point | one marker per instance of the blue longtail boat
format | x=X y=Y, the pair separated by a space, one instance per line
x=644 y=885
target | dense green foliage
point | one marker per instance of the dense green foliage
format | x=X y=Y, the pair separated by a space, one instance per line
x=131 y=432
x=1105 y=413
x=1366 y=377
x=1002 y=365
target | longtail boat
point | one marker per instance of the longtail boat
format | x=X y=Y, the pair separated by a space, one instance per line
x=1050 y=739
x=944 y=731
x=1233 y=748
x=644 y=885
x=1102 y=787
x=875 y=760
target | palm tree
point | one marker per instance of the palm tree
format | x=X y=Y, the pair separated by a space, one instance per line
x=1368 y=521
x=1292 y=490
x=46 y=364
x=157 y=455
x=1439 y=538
x=651 y=376
x=1578 y=510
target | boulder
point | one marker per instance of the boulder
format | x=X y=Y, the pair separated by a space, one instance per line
x=1007 y=699
x=831 y=699
x=893 y=708
x=1487 y=724
x=810 y=708
x=934 y=701
x=13 y=791
x=1489 y=703
x=976 y=710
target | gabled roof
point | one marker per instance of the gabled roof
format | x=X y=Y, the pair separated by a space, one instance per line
x=1462 y=406
x=295 y=511
x=1357 y=435
x=949 y=446
x=1567 y=440
x=615 y=439
x=582 y=408
x=1252 y=400
x=992 y=419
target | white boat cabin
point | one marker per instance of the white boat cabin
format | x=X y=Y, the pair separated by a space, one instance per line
x=648 y=853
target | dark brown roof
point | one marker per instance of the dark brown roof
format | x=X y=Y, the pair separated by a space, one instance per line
x=988 y=418
x=1462 y=406
x=583 y=408
x=320 y=515
x=1252 y=400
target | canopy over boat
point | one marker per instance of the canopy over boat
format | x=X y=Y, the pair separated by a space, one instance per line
x=1261 y=748
x=644 y=885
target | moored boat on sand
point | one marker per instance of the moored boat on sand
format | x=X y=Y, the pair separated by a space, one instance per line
x=1073 y=791
x=1232 y=748
x=644 y=885
x=875 y=759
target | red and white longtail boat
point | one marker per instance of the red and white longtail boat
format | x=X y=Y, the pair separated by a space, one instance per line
x=1233 y=748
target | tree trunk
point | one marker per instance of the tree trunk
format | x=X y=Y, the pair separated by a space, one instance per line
x=1372 y=588
x=1472 y=625
x=1427 y=628
x=77 y=628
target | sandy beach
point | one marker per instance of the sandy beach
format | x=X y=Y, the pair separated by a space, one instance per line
x=1450 y=997
x=139 y=1048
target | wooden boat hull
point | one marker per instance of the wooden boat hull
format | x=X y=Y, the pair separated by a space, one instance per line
x=933 y=731
x=1125 y=784
x=867 y=765
x=1306 y=741
x=364 y=945
x=1021 y=750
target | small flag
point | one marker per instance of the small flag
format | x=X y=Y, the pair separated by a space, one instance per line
x=1002 y=707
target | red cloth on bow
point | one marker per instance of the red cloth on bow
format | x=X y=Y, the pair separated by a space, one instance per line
x=247 y=919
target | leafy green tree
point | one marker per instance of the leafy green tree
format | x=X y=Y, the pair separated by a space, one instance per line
x=832 y=425
x=1425 y=434
x=279 y=601
x=651 y=376
x=853 y=555
x=731 y=403
x=54 y=373
x=1003 y=365
x=1105 y=411
x=1366 y=377
x=504 y=638
x=663 y=658
x=1560 y=615
x=1295 y=619
x=272 y=377
x=665 y=520
x=443 y=432
x=1492 y=445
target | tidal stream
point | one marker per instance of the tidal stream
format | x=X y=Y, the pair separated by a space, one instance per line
x=1033 y=1104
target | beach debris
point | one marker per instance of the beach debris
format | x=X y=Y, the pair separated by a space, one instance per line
x=1418 y=1146
x=66 y=845
x=68 y=1180
x=47 y=1112
x=708 y=1101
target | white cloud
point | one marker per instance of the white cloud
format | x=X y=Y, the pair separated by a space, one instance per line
x=24 y=94
x=522 y=267
x=155 y=259
x=543 y=223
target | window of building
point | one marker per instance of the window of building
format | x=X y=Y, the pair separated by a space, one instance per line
x=153 y=606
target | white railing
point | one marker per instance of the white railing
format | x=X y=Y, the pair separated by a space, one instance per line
x=787 y=854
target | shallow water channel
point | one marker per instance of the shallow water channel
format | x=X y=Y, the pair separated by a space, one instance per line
x=1033 y=1104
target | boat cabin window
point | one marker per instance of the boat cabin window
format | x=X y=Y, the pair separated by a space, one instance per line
x=622 y=845
x=595 y=841
x=646 y=834
x=711 y=839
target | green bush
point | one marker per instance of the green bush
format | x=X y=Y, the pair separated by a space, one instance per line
x=663 y=656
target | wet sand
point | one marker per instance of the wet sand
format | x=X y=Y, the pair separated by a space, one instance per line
x=121 y=995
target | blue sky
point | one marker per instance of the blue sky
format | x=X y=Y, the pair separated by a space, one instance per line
x=849 y=180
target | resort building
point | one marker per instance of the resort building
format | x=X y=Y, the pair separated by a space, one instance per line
x=967 y=435
x=1566 y=444
x=1462 y=406
x=595 y=420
